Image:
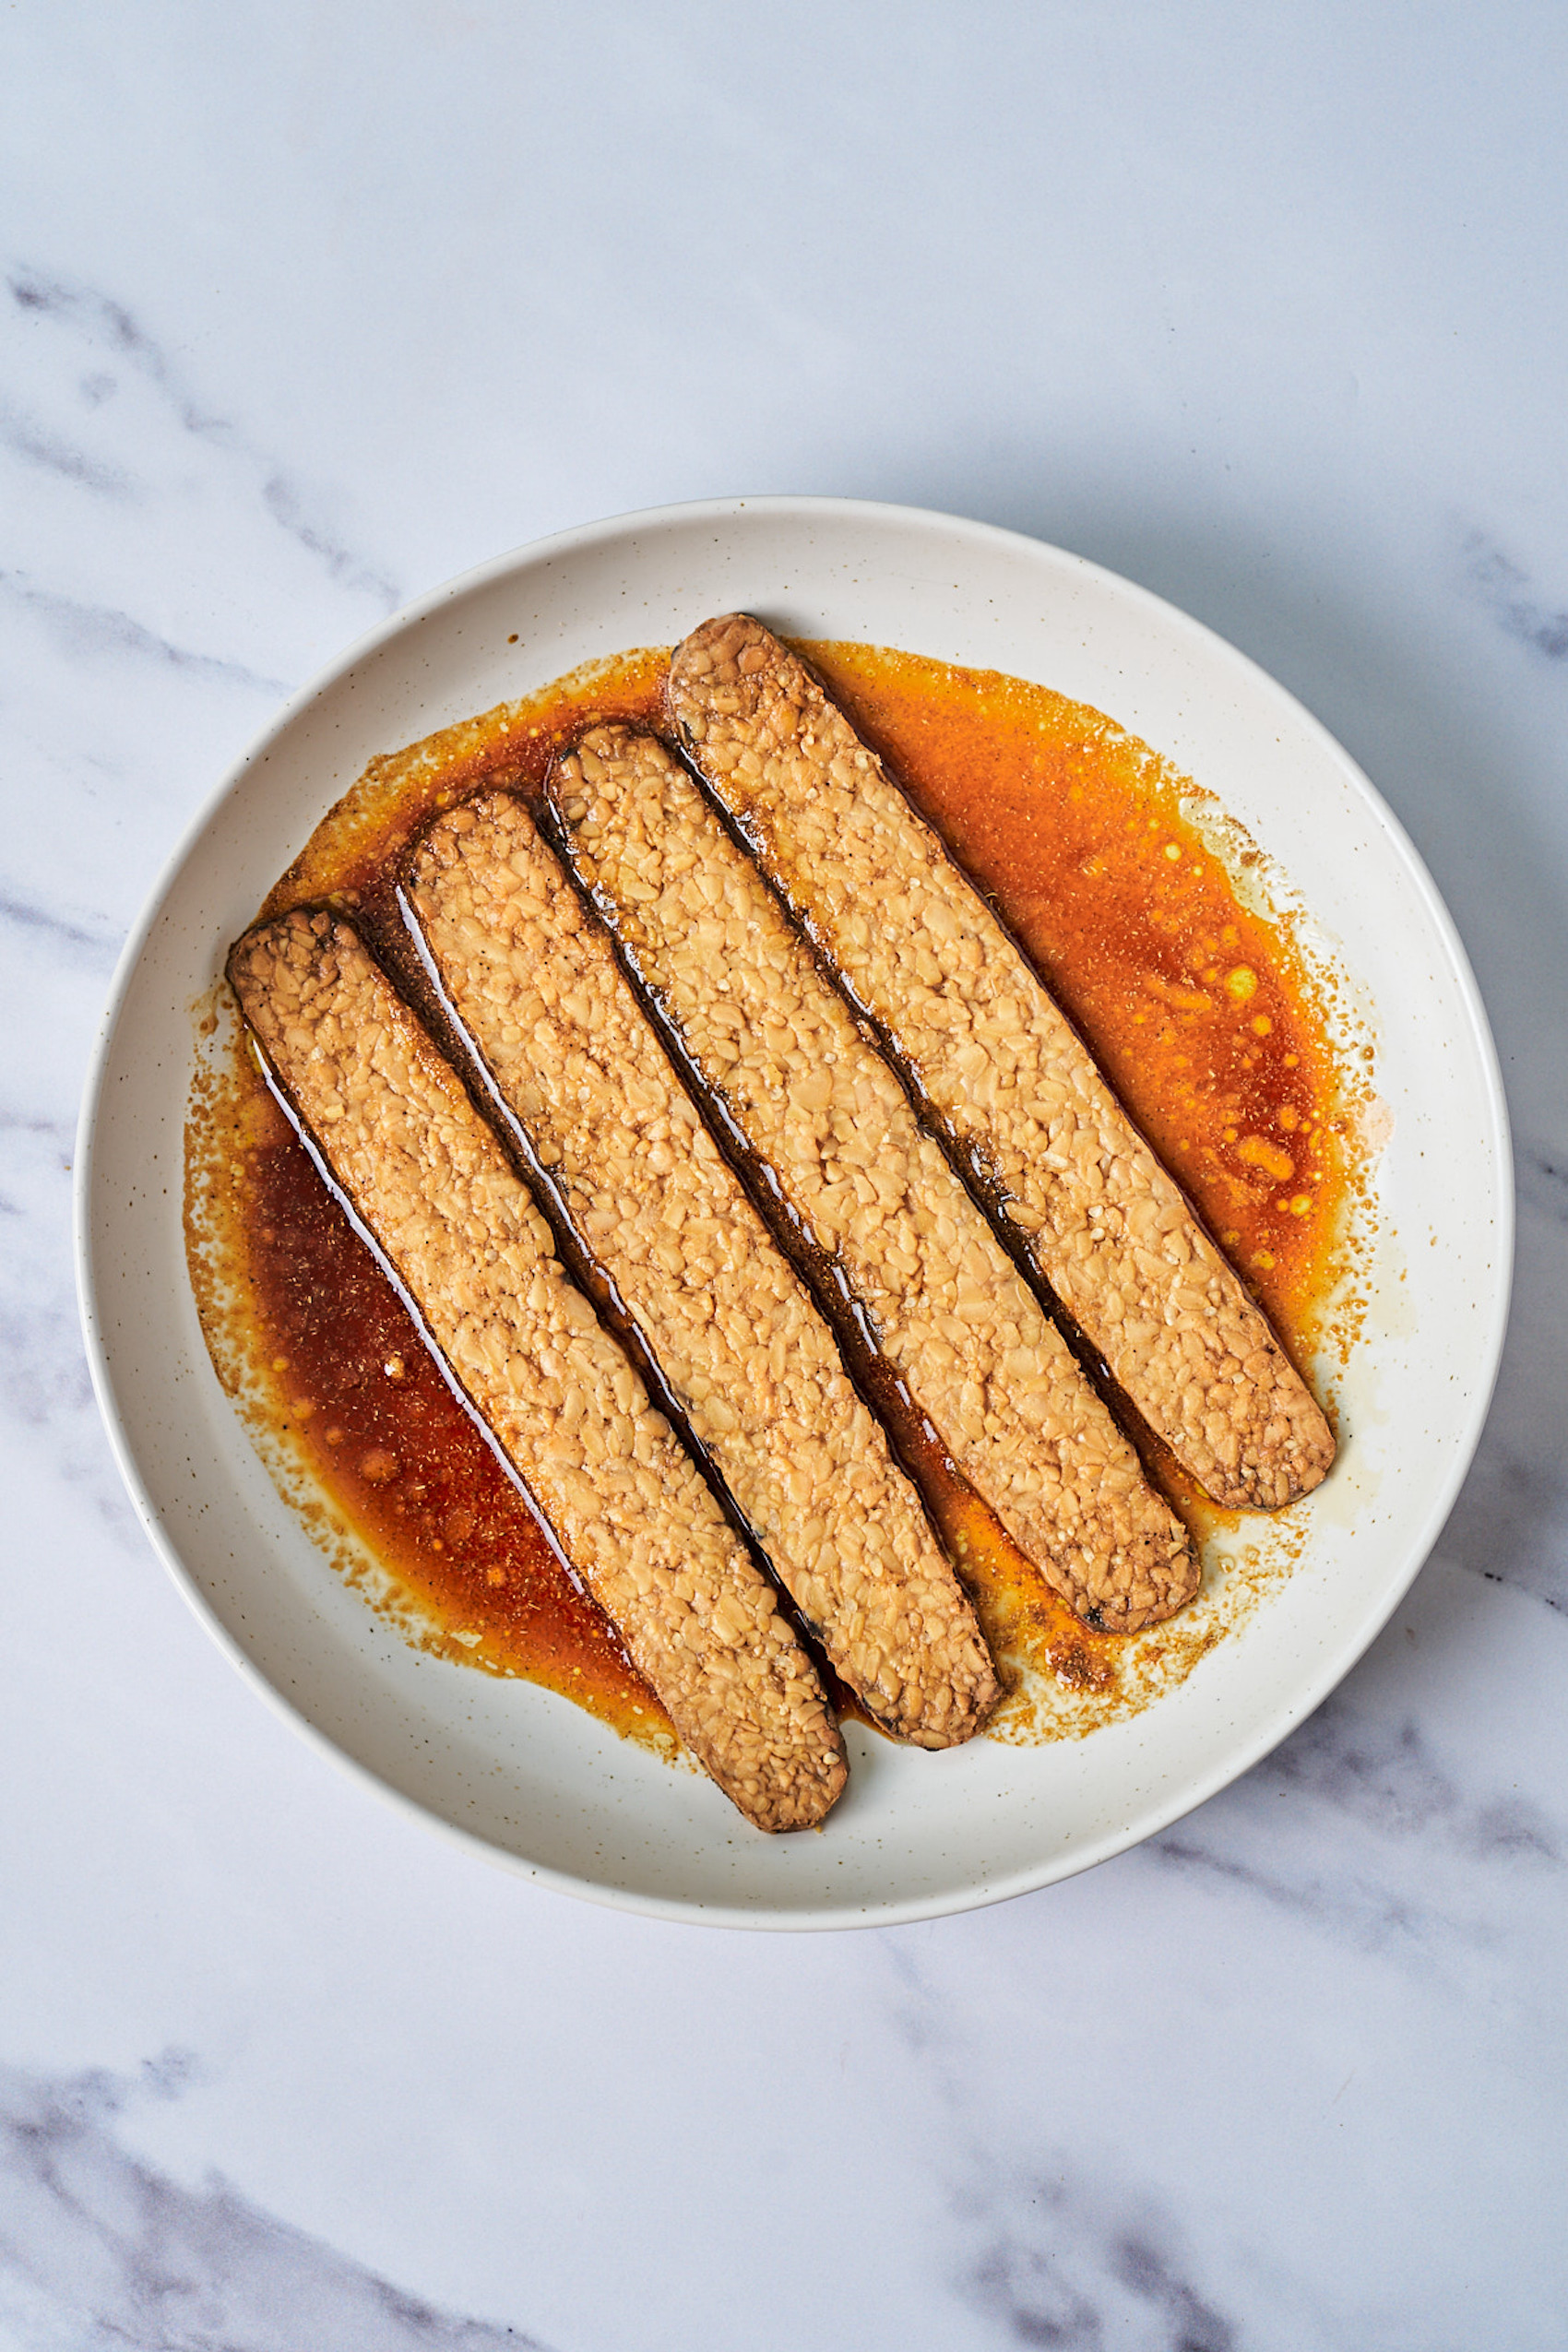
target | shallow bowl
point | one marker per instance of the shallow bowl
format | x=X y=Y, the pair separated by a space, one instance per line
x=524 y=1776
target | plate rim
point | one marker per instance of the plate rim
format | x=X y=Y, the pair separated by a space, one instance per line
x=1160 y=1812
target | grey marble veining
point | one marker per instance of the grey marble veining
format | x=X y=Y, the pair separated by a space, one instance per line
x=83 y=631
x=1511 y=594
x=95 y=331
x=300 y=315
x=104 y=2250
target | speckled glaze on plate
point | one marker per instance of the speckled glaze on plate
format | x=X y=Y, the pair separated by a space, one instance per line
x=533 y=1781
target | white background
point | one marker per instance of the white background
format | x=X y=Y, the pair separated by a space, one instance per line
x=309 y=307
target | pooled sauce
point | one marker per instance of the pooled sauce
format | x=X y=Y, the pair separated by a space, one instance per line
x=1203 y=1014
x=404 y=1459
x=1199 y=1011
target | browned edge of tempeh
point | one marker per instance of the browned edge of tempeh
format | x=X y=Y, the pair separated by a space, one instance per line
x=861 y=1196
x=430 y=1184
x=531 y=978
x=971 y=1027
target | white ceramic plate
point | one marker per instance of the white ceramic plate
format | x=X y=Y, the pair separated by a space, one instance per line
x=528 y=1778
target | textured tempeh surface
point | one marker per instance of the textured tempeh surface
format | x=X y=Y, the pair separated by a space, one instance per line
x=431 y=1183
x=999 y=1067
x=531 y=976
x=818 y=1106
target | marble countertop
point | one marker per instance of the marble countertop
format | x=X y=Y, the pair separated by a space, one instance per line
x=305 y=309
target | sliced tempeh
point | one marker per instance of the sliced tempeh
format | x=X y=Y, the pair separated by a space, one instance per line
x=814 y=1103
x=998 y=1066
x=432 y=1184
x=531 y=977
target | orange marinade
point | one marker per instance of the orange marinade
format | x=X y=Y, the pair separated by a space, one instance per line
x=1199 y=1011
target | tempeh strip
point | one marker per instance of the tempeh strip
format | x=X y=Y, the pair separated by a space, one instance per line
x=531 y=977
x=432 y=1185
x=998 y=1066
x=814 y=1103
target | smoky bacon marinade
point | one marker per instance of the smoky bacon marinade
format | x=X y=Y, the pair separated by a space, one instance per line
x=1200 y=1011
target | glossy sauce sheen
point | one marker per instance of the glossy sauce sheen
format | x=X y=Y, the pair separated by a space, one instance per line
x=1200 y=1012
